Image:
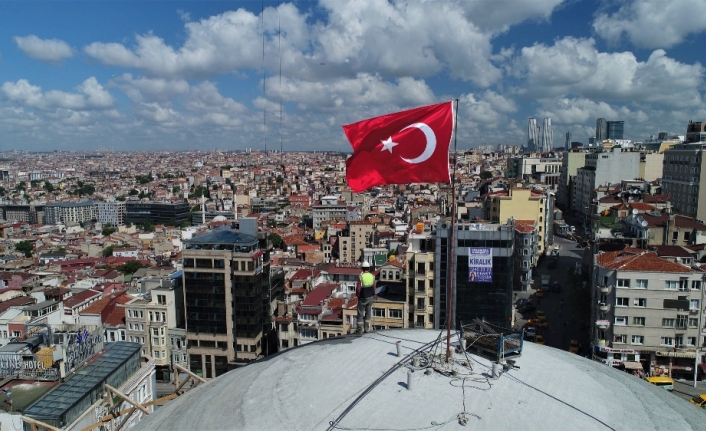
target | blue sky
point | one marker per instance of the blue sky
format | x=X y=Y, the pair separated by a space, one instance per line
x=163 y=75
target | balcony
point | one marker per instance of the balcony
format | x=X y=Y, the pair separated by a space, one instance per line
x=605 y=289
x=603 y=307
x=693 y=311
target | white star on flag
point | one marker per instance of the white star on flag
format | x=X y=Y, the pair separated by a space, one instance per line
x=387 y=144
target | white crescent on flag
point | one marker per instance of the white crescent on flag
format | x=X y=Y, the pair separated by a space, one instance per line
x=430 y=145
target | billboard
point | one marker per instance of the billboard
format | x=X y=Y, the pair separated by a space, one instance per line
x=480 y=264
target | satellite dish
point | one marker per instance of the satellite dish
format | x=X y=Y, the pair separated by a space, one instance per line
x=634 y=211
x=644 y=223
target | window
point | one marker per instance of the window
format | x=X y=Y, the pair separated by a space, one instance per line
x=621 y=320
x=696 y=285
x=617 y=338
x=129 y=313
x=694 y=304
x=682 y=321
x=162 y=299
x=693 y=322
x=670 y=285
x=308 y=333
x=683 y=285
x=638 y=321
x=378 y=312
x=666 y=341
x=690 y=341
x=640 y=302
x=638 y=339
x=624 y=282
x=640 y=284
x=395 y=314
x=420 y=304
x=622 y=302
x=669 y=323
x=679 y=340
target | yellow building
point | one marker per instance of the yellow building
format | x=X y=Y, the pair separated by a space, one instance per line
x=521 y=204
x=386 y=314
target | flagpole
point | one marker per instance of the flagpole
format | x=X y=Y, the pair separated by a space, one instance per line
x=449 y=299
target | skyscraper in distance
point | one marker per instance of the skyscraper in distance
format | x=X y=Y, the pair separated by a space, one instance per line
x=601 y=130
x=615 y=129
x=547 y=136
x=567 y=145
x=532 y=135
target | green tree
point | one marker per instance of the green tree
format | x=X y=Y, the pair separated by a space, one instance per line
x=148 y=226
x=107 y=230
x=48 y=186
x=214 y=187
x=21 y=186
x=87 y=189
x=144 y=195
x=3 y=191
x=131 y=266
x=26 y=247
x=279 y=179
x=185 y=225
x=171 y=223
x=176 y=189
x=276 y=240
x=34 y=183
x=120 y=198
x=108 y=251
x=133 y=192
x=486 y=175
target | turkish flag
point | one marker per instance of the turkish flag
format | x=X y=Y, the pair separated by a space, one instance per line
x=401 y=148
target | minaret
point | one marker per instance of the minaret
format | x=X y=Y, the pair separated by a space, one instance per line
x=235 y=204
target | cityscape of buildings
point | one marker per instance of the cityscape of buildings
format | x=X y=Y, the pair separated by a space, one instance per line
x=135 y=267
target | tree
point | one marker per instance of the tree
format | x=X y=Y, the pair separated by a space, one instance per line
x=214 y=187
x=279 y=179
x=131 y=266
x=34 y=183
x=185 y=225
x=48 y=186
x=133 y=192
x=108 y=251
x=107 y=230
x=276 y=240
x=148 y=226
x=3 y=191
x=486 y=175
x=176 y=189
x=120 y=198
x=26 y=247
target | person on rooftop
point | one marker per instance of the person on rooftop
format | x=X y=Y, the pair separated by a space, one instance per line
x=365 y=290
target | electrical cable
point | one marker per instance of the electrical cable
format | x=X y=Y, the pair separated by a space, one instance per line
x=511 y=377
x=333 y=424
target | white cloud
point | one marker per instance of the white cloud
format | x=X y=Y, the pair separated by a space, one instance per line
x=47 y=50
x=91 y=95
x=575 y=67
x=498 y=16
x=652 y=23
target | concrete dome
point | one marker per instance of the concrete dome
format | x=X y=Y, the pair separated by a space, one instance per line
x=308 y=387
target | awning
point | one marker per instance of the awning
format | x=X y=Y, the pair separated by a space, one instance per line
x=691 y=355
x=632 y=365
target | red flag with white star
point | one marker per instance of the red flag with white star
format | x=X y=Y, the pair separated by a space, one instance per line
x=401 y=148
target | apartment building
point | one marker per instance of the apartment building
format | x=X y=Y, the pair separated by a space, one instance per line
x=70 y=212
x=570 y=163
x=420 y=269
x=646 y=310
x=682 y=180
x=157 y=212
x=354 y=239
x=151 y=315
x=483 y=255
x=329 y=209
x=225 y=296
x=526 y=252
x=608 y=166
x=112 y=213
x=523 y=204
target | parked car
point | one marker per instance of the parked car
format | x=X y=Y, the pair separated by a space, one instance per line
x=556 y=287
x=522 y=301
x=539 y=314
x=530 y=332
x=699 y=400
x=539 y=339
x=574 y=346
x=527 y=308
x=538 y=323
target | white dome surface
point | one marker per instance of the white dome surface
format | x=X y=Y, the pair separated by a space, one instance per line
x=308 y=387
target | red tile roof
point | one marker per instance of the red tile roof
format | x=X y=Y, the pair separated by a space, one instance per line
x=524 y=226
x=17 y=302
x=316 y=296
x=80 y=298
x=645 y=262
x=673 y=251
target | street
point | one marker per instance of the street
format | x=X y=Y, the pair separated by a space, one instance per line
x=564 y=320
